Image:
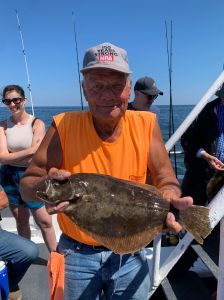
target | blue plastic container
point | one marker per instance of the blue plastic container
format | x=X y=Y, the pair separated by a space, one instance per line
x=4 y=284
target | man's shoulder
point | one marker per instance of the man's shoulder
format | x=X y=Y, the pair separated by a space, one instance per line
x=74 y=117
x=208 y=111
x=211 y=105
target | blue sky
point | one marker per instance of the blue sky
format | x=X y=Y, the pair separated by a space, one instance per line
x=137 y=26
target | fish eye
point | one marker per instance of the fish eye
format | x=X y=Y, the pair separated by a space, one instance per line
x=56 y=184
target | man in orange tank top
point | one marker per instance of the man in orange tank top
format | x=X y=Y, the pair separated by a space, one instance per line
x=110 y=140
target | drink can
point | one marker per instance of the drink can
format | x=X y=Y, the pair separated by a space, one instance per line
x=4 y=285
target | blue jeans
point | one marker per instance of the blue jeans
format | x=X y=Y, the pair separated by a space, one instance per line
x=19 y=253
x=92 y=273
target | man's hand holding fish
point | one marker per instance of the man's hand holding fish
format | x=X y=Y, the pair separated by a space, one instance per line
x=180 y=204
x=57 y=174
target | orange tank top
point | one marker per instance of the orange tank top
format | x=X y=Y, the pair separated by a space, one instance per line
x=84 y=152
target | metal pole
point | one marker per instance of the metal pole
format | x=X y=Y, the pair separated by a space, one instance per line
x=216 y=213
x=220 y=288
x=25 y=59
x=155 y=275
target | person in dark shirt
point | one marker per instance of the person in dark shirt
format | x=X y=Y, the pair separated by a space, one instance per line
x=146 y=92
x=203 y=144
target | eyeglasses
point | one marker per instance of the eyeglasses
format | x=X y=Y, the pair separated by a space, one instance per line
x=14 y=100
x=151 y=97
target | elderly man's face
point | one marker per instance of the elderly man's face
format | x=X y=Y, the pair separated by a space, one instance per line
x=107 y=93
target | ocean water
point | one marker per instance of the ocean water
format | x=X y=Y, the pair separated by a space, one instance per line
x=179 y=114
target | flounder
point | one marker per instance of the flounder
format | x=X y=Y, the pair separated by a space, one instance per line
x=121 y=215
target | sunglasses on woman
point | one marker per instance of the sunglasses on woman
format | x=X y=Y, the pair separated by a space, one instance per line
x=14 y=100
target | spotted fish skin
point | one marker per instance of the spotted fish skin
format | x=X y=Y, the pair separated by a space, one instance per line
x=123 y=216
x=124 y=206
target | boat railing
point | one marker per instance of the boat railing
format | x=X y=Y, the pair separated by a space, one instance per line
x=195 y=112
x=158 y=273
x=177 y=152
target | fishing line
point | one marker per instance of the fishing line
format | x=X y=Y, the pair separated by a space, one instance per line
x=77 y=59
x=25 y=59
x=169 y=46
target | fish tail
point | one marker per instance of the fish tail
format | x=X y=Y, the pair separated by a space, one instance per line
x=196 y=220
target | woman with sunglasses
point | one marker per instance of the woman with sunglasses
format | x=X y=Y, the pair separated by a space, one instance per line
x=20 y=136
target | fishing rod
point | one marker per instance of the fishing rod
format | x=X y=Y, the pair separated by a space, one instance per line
x=169 y=59
x=169 y=48
x=25 y=59
x=77 y=59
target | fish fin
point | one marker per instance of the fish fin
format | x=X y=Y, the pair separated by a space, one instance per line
x=215 y=184
x=196 y=220
x=127 y=244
